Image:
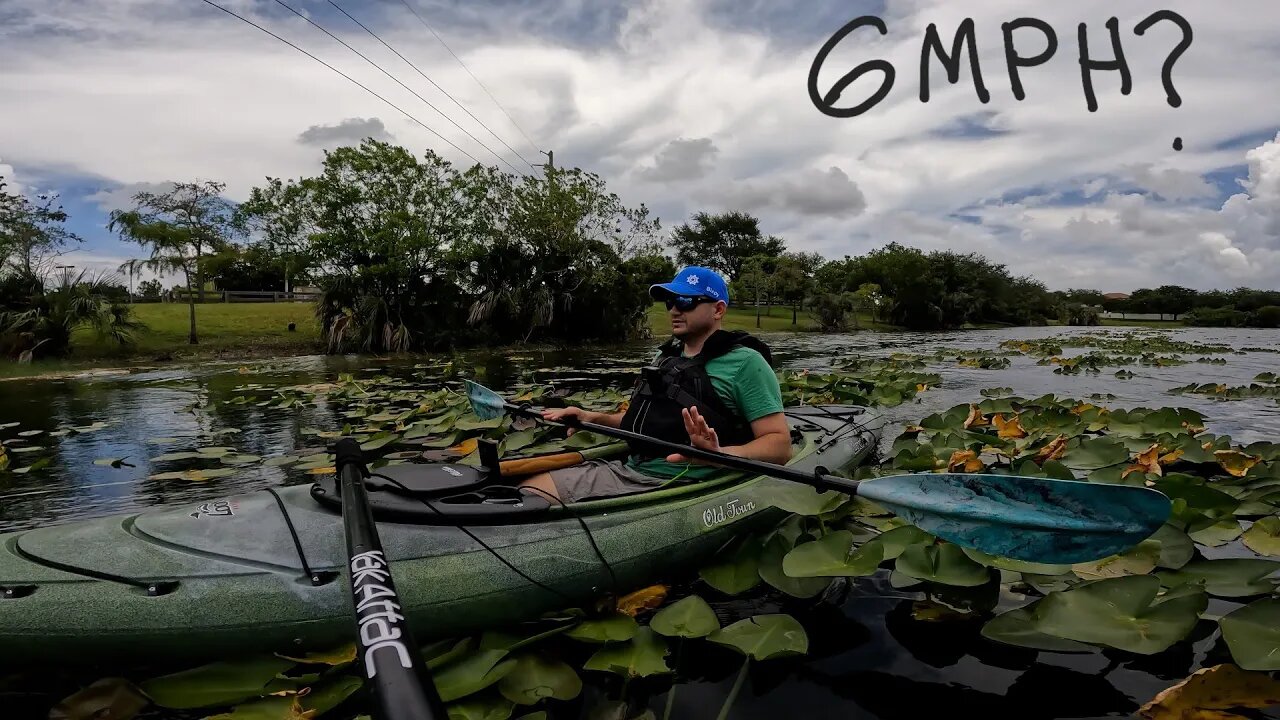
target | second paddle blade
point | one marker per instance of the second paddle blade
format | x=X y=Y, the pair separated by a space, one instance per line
x=1024 y=518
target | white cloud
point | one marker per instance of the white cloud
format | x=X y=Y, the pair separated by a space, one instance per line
x=139 y=92
x=121 y=197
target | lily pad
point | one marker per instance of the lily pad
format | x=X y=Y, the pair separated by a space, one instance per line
x=219 y=683
x=1253 y=635
x=536 y=678
x=690 y=617
x=482 y=707
x=1213 y=689
x=1095 y=453
x=641 y=656
x=833 y=555
x=330 y=693
x=945 y=564
x=1227 y=577
x=194 y=475
x=472 y=673
x=108 y=698
x=167 y=457
x=1020 y=627
x=804 y=500
x=1137 y=560
x=1264 y=536
x=1218 y=533
x=1019 y=566
x=112 y=462
x=775 y=551
x=897 y=539
x=613 y=628
x=1123 y=613
x=764 y=636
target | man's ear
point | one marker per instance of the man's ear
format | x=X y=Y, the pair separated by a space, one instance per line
x=721 y=309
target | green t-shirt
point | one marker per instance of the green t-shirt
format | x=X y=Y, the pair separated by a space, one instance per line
x=746 y=384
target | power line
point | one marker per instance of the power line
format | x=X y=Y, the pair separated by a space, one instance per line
x=433 y=82
x=321 y=28
x=473 y=77
x=348 y=77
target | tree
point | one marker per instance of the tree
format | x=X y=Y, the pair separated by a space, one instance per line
x=282 y=214
x=180 y=228
x=867 y=298
x=31 y=232
x=755 y=281
x=792 y=282
x=723 y=242
x=150 y=289
x=41 y=323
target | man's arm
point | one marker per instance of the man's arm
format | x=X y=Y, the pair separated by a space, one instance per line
x=772 y=443
x=608 y=419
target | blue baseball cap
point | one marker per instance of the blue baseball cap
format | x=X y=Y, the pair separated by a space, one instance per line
x=694 y=281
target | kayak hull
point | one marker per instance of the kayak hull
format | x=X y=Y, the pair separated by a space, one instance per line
x=228 y=577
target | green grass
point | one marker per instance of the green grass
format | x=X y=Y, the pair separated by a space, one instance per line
x=219 y=326
x=772 y=319
x=1116 y=322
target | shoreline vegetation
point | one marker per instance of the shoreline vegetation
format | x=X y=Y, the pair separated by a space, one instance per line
x=259 y=331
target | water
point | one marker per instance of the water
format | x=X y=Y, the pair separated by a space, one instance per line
x=868 y=657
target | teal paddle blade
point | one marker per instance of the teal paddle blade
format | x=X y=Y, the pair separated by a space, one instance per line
x=1024 y=518
x=485 y=403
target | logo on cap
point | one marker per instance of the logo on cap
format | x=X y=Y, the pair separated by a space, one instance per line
x=692 y=279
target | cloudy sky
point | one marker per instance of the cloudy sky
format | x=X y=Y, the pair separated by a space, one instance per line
x=689 y=105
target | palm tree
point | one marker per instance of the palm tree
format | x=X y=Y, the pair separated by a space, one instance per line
x=45 y=324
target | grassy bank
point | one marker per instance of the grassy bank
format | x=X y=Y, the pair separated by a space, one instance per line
x=260 y=330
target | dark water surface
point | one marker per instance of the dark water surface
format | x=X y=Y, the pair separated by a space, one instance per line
x=868 y=657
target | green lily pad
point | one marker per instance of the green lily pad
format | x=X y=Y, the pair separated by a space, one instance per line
x=1176 y=547
x=194 y=475
x=775 y=551
x=516 y=441
x=613 y=628
x=1019 y=566
x=177 y=456
x=1020 y=627
x=280 y=460
x=1137 y=560
x=833 y=555
x=482 y=707
x=945 y=564
x=764 y=636
x=536 y=678
x=30 y=433
x=1123 y=613
x=330 y=693
x=641 y=656
x=1227 y=577
x=689 y=617
x=1095 y=453
x=219 y=683
x=897 y=539
x=738 y=572
x=237 y=459
x=380 y=440
x=804 y=500
x=1253 y=635
x=472 y=673
x=1264 y=536
x=1218 y=533
x=509 y=641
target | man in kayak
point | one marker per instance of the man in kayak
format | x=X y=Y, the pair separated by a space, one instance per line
x=708 y=387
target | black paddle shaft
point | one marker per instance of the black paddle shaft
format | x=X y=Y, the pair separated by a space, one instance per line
x=818 y=479
x=402 y=688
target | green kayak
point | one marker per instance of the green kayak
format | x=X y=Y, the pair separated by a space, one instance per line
x=261 y=572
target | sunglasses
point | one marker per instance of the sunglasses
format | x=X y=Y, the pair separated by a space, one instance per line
x=685 y=303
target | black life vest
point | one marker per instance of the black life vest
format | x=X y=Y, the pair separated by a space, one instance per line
x=678 y=382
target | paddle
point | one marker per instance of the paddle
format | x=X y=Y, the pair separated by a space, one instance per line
x=1022 y=518
x=402 y=689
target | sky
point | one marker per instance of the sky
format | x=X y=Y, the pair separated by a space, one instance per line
x=688 y=106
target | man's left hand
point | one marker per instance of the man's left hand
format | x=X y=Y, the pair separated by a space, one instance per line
x=701 y=435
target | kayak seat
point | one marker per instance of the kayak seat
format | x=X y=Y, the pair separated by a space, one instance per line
x=428 y=480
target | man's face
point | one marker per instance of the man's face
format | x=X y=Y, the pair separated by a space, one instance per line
x=695 y=321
